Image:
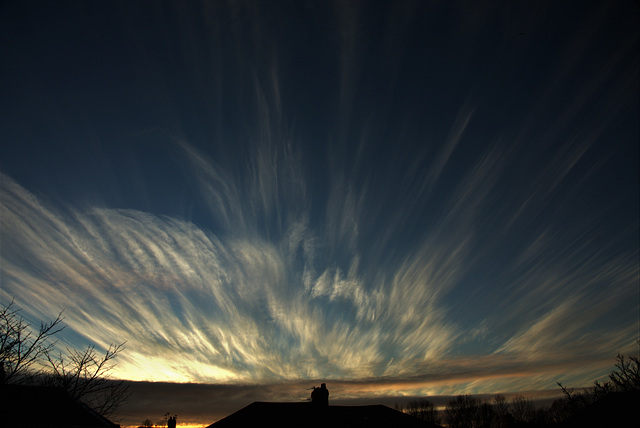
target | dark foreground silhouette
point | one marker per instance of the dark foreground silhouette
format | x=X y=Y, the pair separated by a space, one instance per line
x=615 y=408
x=286 y=415
x=318 y=413
x=618 y=409
x=37 y=406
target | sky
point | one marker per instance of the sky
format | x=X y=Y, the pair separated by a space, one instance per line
x=409 y=198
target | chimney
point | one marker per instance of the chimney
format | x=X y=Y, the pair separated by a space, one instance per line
x=320 y=396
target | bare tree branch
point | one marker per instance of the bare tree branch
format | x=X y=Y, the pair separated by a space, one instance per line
x=28 y=358
x=20 y=348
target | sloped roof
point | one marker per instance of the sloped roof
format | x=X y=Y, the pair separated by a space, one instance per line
x=35 y=407
x=309 y=415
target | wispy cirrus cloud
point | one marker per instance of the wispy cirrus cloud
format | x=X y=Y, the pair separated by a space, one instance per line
x=239 y=307
x=231 y=307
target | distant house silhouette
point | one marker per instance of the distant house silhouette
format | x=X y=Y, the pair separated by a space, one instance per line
x=318 y=413
x=39 y=407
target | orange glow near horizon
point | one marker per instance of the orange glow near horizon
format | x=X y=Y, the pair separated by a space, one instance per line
x=188 y=425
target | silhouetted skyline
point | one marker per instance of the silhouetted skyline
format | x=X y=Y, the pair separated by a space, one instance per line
x=408 y=197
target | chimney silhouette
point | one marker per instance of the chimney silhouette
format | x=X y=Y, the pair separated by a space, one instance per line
x=320 y=396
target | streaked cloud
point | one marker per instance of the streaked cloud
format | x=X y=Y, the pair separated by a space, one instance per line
x=198 y=306
x=389 y=203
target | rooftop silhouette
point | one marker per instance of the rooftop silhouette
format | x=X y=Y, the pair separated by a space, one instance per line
x=50 y=407
x=317 y=413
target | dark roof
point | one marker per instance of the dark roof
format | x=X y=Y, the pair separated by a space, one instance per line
x=35 y=407
x=309 y=415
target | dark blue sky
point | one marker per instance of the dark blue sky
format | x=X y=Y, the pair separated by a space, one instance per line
x=347 y=190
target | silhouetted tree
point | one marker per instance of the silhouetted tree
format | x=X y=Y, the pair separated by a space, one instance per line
x=462 y=412
x=85 y=376
x=485 y=416
x=501 y=411
x=522 y=410
x=22 y=349
x=501 y=406
x=559 y=411
x=146 y=424
x=624 y=378
x=422 y=409
x=27 y=358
